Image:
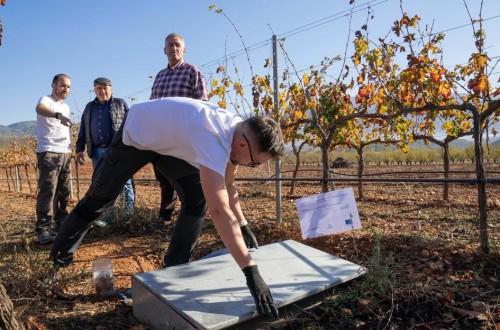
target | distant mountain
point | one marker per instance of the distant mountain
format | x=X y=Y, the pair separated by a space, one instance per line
x=461 y=143
x=420 y=144
x=6 y=131
x=27 y=127
x=19 y=129
x=495 y=143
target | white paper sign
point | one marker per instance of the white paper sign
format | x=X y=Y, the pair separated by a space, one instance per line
x=328 y=213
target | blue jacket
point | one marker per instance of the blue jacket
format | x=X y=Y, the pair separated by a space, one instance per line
x=117 y=107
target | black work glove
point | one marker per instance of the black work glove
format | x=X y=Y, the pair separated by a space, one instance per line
x=260 y=292
x=249 y=237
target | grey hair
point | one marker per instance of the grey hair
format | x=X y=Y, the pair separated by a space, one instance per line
x=174 y=34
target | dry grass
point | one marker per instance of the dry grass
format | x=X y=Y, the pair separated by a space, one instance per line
x=424 y=268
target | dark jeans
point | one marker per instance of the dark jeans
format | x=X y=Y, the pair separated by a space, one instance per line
x=168 y=195
x=119 y=164
x=128 y=187
x=53 y=188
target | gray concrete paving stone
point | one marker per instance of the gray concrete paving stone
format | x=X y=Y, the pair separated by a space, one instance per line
x=211 y=293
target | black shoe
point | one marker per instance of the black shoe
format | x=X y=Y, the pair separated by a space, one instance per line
x=160 y=223
x=44 y=237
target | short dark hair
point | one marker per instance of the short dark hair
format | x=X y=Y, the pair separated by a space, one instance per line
x=267 y=135
x=57 y=76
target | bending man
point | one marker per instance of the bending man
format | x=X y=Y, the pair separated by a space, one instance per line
x=198 y=147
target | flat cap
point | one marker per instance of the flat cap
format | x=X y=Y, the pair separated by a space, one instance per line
x=102 y=81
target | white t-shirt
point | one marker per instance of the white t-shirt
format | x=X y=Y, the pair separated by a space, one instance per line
x=195 y=131
x=50 y=133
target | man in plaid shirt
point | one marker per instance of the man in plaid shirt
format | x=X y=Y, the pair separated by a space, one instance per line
x=177 y=79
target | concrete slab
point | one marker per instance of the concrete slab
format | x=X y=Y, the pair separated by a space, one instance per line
x=212 y=294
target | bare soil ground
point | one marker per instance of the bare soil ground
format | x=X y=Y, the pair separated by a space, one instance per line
x=424 y=267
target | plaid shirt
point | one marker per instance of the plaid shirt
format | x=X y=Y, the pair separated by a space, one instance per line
x=184 y=79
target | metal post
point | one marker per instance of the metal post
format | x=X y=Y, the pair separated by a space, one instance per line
x=276 y=109
x=17 y=185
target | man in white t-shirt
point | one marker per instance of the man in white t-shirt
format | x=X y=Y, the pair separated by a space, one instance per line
x=197 y=146
x=54 y=157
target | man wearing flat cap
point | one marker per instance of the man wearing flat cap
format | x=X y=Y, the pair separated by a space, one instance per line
x=101 y=119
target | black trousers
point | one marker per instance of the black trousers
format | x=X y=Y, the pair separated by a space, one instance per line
x=168 y=195
x=119 y=164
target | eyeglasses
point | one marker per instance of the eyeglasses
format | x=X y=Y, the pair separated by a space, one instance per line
x=253 y=163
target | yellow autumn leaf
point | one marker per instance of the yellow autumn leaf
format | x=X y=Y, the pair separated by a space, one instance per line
x=382 y=108
x=482 y=82
x=479 y=60
x=466 y=125
x=447 y=126
x=356 y=60
x=444 y=90
x=311 y=104
x=222 y=104
x=238 y=88
x=421 y=76
x=294 y=89
x=305 y=79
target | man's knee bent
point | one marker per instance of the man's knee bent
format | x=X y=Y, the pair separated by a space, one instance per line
x=191 y=196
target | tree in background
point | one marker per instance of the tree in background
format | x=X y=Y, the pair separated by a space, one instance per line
x=19 y=153
x=362 y=133
x=400 y=82
x=425 y=87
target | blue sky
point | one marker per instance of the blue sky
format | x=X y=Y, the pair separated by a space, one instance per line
x=123 y=40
